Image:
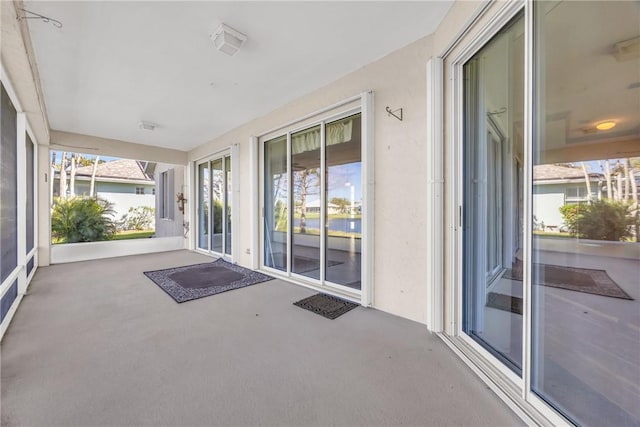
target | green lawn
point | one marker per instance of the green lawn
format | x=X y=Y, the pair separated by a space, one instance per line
x=553 y=234
x=133 y=234
x=122 y=235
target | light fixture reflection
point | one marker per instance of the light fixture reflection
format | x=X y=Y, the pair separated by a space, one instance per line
x=609 y=124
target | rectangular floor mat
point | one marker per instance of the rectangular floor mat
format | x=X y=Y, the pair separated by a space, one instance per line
x=326 y=305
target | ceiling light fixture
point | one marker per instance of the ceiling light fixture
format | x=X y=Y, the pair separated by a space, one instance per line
x=227 y=40
x=609 y=124
x=147 y=125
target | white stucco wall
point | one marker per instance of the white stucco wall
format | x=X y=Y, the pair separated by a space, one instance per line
x=123 y=201
x=546 y=208
x=398 y=80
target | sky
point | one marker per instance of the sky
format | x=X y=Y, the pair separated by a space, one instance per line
x=85 y=155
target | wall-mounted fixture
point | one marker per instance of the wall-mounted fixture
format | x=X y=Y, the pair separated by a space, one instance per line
x=147 y=125
x=32 y=15
x=394 y=113
x=627 y=50
x=227 y=39
x=181 y=201
x=606 y=125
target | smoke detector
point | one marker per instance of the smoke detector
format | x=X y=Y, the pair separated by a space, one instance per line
x=147 y=125
x=227 y=39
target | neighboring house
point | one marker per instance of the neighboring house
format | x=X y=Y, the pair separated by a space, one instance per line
x=125 y=183
x=555 y=186
x=314 y=206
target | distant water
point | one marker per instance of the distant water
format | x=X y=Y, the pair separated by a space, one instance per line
x=335 y=224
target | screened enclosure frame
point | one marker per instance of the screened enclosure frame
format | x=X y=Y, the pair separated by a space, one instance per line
x=16 y=282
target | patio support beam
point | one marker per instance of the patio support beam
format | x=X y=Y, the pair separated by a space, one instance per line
x=112 y=147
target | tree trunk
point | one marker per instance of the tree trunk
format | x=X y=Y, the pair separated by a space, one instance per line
x=634 y=188
x=587 y=181
x=607 y=175
x=63 y=176
x=93 y=177
x=303 y=202
x=72 y=179
x=627 y=183
x=52 y=176
x=620 y=195
x=634 y=195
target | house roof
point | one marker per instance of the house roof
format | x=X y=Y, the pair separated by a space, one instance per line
x=117 y=169
x=555 y=172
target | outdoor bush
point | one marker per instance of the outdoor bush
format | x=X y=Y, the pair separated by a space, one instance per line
x=138 y=218
x=217 y=216
x=571 y=214
x=601 y=220
x=82 y=220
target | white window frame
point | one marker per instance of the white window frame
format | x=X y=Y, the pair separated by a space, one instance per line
x=363 y=104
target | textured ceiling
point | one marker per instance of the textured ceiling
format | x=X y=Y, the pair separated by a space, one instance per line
x=114 y=64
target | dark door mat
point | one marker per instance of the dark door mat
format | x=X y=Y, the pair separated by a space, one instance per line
x=587 y=280
x=504 y=302
x=202 y=280
x=301 y=264
x=326 y=305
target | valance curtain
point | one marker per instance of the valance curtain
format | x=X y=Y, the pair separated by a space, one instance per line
x=336 y=133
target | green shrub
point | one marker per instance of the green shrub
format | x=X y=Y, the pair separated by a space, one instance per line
x=571 y=215
x=217 y=216
x=82 y=220
x=601 y=220
x=138 y=218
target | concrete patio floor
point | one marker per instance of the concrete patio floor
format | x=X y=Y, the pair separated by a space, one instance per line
x=97 y=343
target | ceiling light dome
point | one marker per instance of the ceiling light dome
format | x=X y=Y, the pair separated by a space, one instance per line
x=227 y=39
x=606 y=125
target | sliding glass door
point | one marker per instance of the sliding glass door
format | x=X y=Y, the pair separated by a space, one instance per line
x=586 y=173
x=305 y=180
x=312 y=198
x=543 y=209
x=492 y=258
x=214 y=206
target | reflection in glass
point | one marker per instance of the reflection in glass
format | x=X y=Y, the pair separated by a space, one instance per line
x=227 y=240
x=305 y=165
x=276 y=193
x=586 y=255
x=217 y=198
x=203 y=205
x=344 y=202
x=493 y=195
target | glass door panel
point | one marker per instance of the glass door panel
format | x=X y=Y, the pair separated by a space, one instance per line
x=203 y=206
x=276 y=202
x=343 y=202
x=217 y=205
x=586 y=173
x=227 y=214
x=492 y=156
x=306 y=202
